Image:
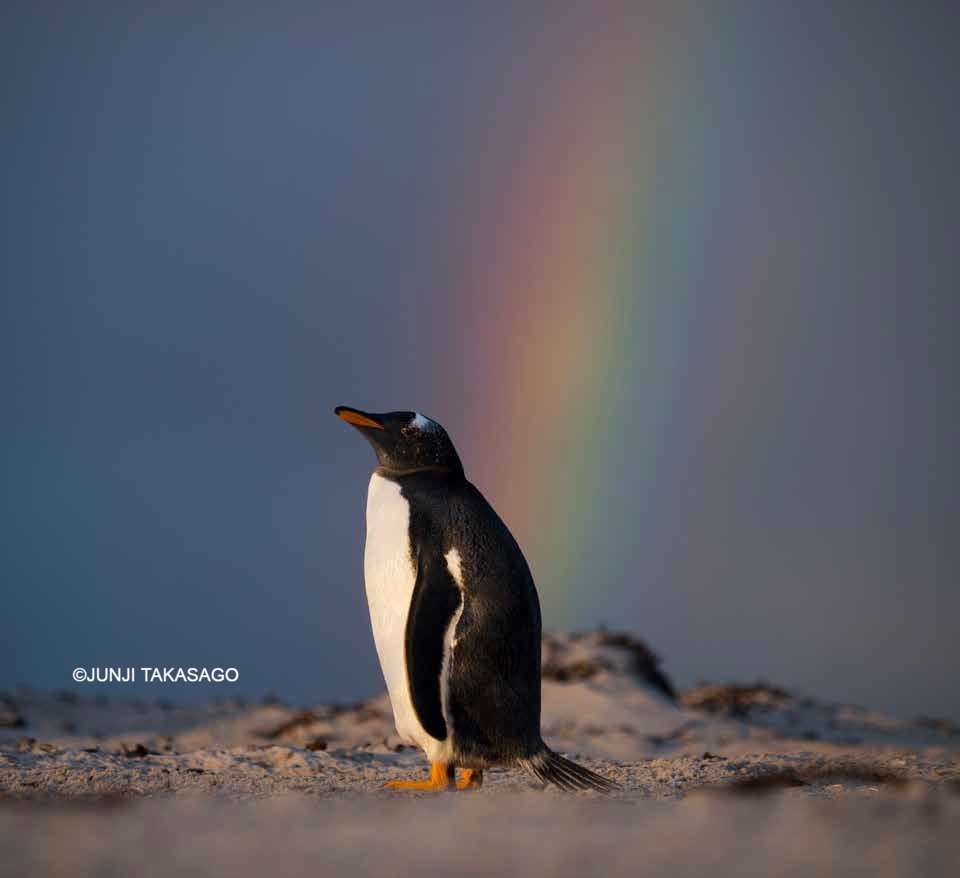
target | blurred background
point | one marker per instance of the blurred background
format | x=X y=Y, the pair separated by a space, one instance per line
x=680 y=279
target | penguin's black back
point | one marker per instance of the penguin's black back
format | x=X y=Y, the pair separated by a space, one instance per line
x=494 y=669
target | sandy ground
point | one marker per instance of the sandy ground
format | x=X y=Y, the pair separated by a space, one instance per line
x=748 y=779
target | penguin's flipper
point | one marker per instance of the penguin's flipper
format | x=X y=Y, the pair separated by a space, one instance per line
x=436 y=599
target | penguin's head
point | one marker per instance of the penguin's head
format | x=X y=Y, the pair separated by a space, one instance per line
x=404 y=441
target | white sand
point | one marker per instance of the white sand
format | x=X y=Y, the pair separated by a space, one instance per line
x=120 y=785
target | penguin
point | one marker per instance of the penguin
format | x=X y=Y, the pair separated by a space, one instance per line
x=454 y=612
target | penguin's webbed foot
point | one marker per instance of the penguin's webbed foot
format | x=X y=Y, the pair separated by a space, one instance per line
x=472 y=779
x=441 y=778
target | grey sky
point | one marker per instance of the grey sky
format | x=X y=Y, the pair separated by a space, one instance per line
x=220 y=220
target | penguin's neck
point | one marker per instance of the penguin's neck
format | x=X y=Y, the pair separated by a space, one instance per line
x=440 y=473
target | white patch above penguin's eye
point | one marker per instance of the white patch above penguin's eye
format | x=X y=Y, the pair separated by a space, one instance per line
x=422 y=422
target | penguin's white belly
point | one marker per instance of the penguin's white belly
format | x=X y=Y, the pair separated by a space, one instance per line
x=390 y=578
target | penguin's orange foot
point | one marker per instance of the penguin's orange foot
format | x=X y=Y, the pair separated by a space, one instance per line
x=441 y=778
x=472 y=779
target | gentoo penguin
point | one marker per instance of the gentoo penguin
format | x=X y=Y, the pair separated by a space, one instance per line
x=454 y=611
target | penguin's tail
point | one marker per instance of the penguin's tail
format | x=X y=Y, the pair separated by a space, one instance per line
x=552 y=768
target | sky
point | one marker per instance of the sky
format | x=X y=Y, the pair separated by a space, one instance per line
x=679 y=279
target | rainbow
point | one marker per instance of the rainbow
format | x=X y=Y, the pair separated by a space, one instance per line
x=562 y=297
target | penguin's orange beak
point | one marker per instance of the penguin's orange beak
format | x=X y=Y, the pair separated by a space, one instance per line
x=357 y=418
